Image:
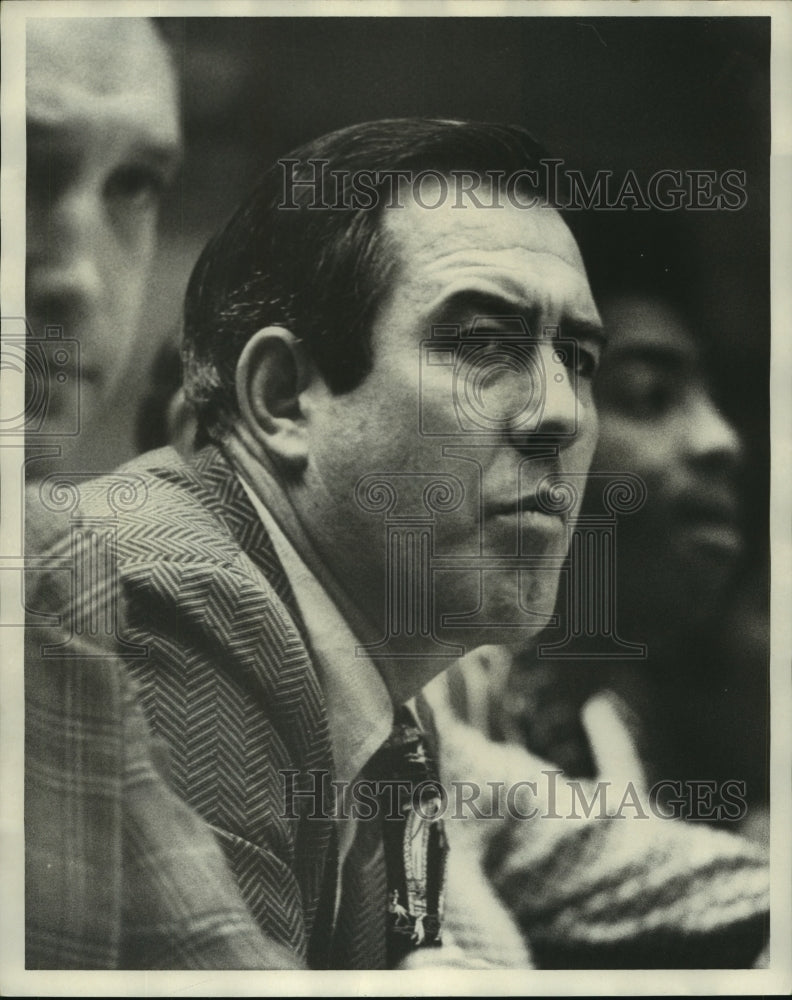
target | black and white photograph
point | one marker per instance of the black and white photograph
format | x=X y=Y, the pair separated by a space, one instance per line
x=396 y=553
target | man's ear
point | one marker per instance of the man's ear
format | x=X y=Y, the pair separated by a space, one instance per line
x=270 y=375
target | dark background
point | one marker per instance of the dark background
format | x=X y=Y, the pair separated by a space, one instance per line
x=620 y=93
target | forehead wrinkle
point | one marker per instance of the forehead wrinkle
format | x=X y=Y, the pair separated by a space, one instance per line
x=479 y=247
x=492 y=258
x=534 y=260
x=473 y=250
x=533 y=288
x=473 y=254
x=535 y=224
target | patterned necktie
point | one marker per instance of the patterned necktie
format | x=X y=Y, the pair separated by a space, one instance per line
x=392 y=900
x=414 y=837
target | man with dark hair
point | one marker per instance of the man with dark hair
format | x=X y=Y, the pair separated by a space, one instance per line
x=389 y=349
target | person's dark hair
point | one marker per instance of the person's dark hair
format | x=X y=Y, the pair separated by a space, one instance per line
x=322 y=273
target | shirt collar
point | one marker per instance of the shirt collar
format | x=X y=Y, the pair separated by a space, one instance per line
x=359 y=708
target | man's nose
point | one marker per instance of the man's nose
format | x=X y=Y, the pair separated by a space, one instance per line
x=711 y=437
x=65 y=252
x=553 y=408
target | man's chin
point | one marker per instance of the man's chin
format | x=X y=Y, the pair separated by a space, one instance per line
x=506 y=610
x=512 y=635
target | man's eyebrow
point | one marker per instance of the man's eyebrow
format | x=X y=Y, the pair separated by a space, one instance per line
x=579 y=329
x=475 y=304
x=160 y=150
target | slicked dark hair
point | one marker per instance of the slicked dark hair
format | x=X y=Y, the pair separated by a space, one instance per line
x=320 y=272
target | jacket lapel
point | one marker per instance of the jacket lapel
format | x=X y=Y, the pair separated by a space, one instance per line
x=236 y=511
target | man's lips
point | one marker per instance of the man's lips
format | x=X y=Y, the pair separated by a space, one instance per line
x=710 y=520
x=530 y=511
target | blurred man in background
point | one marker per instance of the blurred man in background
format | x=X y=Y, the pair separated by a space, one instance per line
x=120 y=873
x=698 y=703
x=687 y=580
x=103 y=141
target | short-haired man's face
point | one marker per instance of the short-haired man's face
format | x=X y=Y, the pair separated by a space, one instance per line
x=103 y=137
x=483 y=412
x=658 y=420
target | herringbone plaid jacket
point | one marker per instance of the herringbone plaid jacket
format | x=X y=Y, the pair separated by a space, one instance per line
x=170 y=563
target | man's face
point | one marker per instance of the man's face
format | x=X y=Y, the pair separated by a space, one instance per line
x=488 y=422
x=102 y=141
x=658 y=420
